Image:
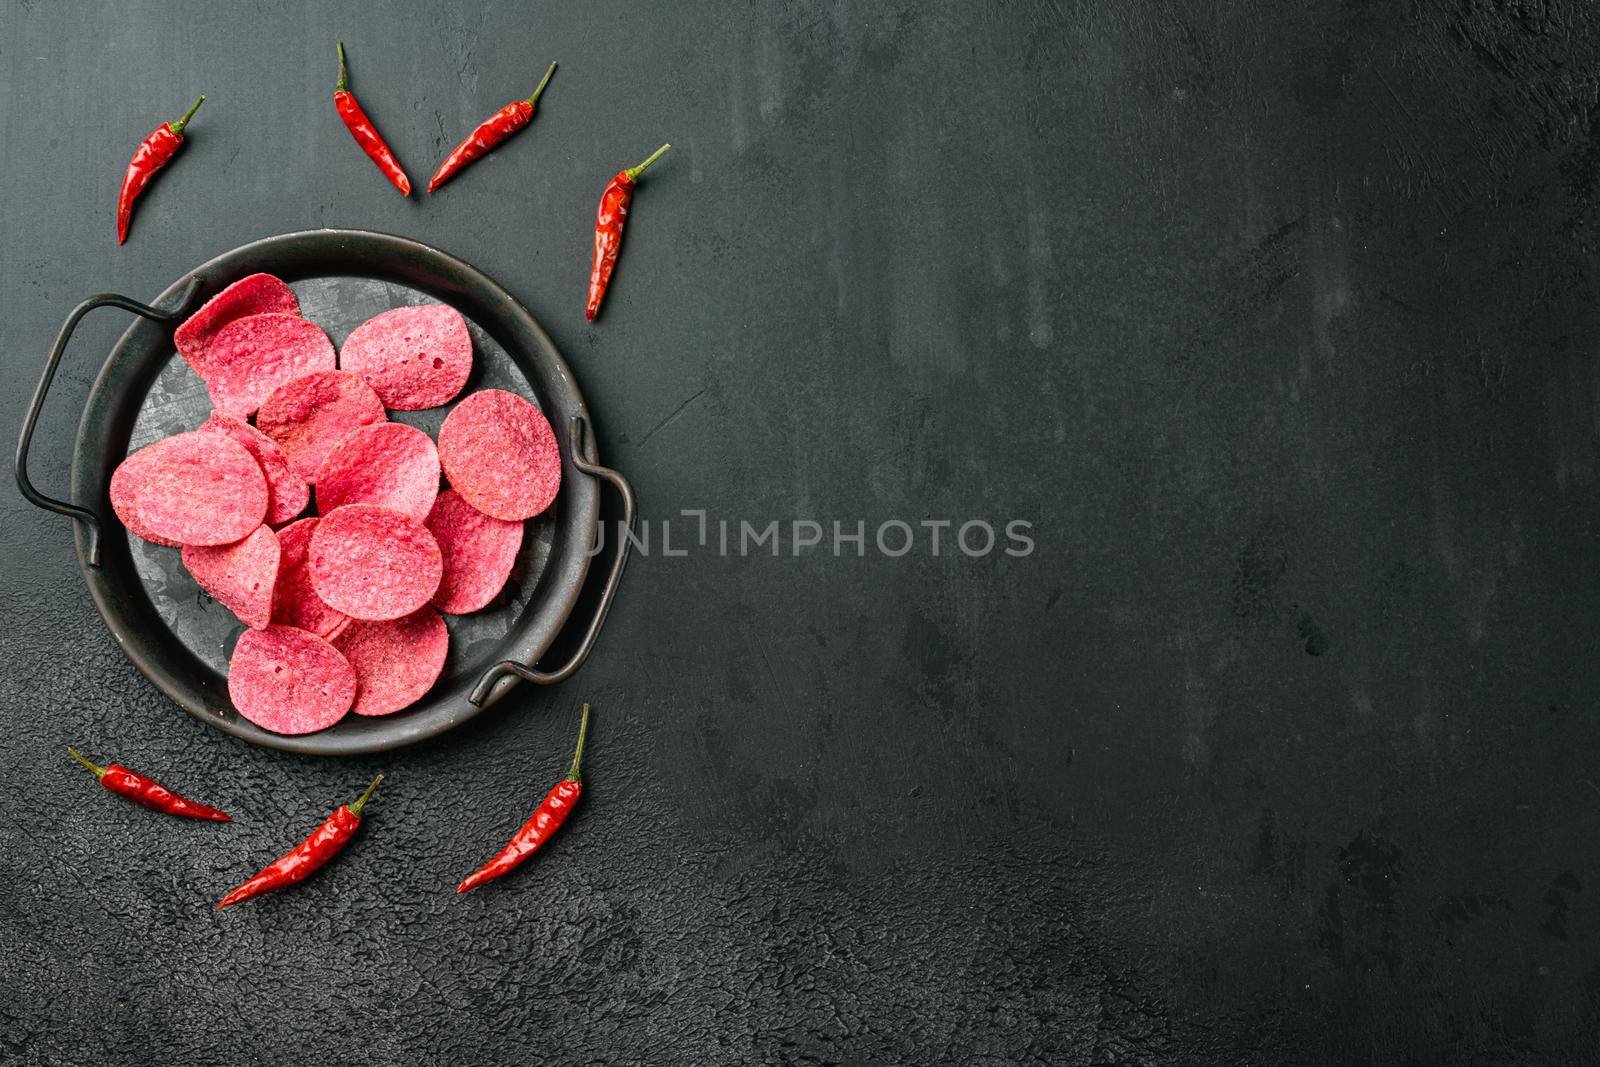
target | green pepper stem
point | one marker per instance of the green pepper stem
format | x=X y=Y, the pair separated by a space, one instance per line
x=355 y=809
x=578 y=754
x=634 y=172
x=344 y=79
x=177 y=127
x=99 y=772
x=534 y=99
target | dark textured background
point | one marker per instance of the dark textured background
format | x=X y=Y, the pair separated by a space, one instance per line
x=1278 y=319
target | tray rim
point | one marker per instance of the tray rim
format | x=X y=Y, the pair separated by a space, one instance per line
x=525 y=341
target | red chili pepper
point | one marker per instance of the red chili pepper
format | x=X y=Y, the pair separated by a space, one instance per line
x=494 y=129
x=152 y=794
x=365 y=133
x=155 y=152
x=546 y=820
x=608 y=225
x=293 y=866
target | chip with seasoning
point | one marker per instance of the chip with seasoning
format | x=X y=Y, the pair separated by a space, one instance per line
x=190 y=489
x=388 y=463
x=374 y=563
x=413 y=357
x=499 y=453
x=289 y=681
x=257 y=294
x=250 y=357
x=310 y=415
x=479 y=551
x=287 y=494
x=396 y=662
x=240 y=576
x=295 y=603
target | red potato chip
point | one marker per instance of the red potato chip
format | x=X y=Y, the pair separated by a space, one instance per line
x=294 y=602
x=257 y=294
x=499 y=453
x=388 y=463
x=290 y=682
x=310 y=415
x=396 y=662
x=142 y=533
x=413 y=357
x=250 y=357
x=479 y=552
x=287 y=493
x=190 y=489
x=374 y=563
x=240 y=576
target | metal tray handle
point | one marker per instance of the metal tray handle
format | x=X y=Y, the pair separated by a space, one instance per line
x=90 y=523
x=583 y=457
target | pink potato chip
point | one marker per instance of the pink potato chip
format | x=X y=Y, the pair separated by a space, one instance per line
x=396 y=662
x=374 y=563
x=250 y=357
x=479 y=552
x=310 y=415
x=142 y=532
x=190 y=489
x=295 y=603
x=257 y=294
x=287 y=494
x=413 y=357
x=290 y=682
x=388 y=463
x=240 y=576
x=499 y=453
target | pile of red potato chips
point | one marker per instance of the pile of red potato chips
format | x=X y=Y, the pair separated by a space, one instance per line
x=342 y=607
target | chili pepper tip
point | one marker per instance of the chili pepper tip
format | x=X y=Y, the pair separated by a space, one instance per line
x=634 y=172
x=177 y=127
x=99 y=772
x=534 y=99
x=355 y=809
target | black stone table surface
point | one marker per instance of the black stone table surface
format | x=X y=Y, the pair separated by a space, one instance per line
x=1275 y=739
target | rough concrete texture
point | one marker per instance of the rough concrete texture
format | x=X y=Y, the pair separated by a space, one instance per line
x=1278 y=321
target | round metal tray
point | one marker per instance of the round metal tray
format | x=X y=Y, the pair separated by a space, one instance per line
x=177 y=636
